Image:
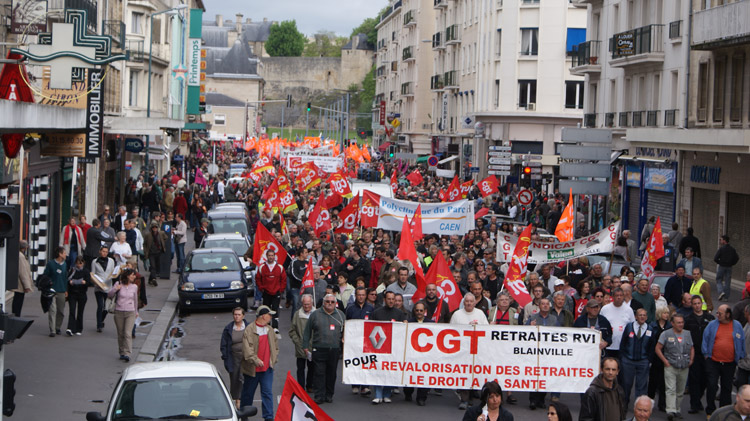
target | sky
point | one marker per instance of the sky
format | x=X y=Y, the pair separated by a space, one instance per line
x=339 y=16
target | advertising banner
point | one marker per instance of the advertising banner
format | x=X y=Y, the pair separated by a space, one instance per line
x=328 y=164
x=661 y=179
x=519 y=358
x=454 y=218
x=546 y=252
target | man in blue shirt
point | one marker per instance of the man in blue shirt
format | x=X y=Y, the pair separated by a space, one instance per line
x=57 y=271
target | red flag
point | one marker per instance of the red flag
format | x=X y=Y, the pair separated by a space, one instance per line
x=442 y=195
x=580 y=307
x=288 y=203
x=282 y=180
x=466 y=188
x=370 y=209
x=654 y=251
x=349 y=217
x=320 y=218
x=415 y=178
x=263 y=163
x=308 y=281
x=416 y=223
x=340 y=185
x=438 y=309
x=264 y=241
x=481 y=212
x=295 y=404
x=488 y=186
x=517 y=269
x=406 y=251
x=308 y=176
x=394 y=182
x=440 y=274
x=454 y=191
x=566 y=224
x=333 y=200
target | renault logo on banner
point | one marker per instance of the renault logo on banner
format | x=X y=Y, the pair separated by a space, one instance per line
x=377 y=338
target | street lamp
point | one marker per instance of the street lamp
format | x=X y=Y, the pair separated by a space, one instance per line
x=150 y=59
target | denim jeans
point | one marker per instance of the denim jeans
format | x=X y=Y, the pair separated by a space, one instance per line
x=724 y=280
x=180 y=256
x=383 y=392
x=71 y=260
x=634 y=372
x=100 y=311
x=294 y=292
x=265 y=379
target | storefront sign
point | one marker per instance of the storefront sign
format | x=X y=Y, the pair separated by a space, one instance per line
x=661 y=179
x=69 y=98
x=194 y=62
x=544 y=252
x=381 y=113
x=624 y=44
x=633 y=175
x=653 y=152
x=451 y=356
x=94 y=115
x=454 y=218
x=133 y=144
x=64 y=145
x=704 y=174
x=29 y=17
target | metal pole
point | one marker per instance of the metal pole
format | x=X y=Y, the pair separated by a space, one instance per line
x=307 y=123
x=244 y=133
x=148 y=99
x=282 y=121
x=3 y=262
x=347 y=115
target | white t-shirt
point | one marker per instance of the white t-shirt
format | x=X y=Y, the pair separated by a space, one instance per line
x=220 y=188
x=121 y=250
x=618 y=317
x=462 y=317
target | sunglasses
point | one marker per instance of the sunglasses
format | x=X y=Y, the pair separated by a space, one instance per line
x=330 y=302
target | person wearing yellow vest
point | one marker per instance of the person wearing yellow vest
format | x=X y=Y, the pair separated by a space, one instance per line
x=701 y=288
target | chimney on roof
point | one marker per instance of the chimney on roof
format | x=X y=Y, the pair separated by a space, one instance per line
x=355 y=42
x=265 y=19
x=219 y=20
x=249 y=20
x=238 y=24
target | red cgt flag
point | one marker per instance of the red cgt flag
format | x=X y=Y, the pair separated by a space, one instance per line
x=654 y=251
x=308 y=281
x=340 y=185
x=264 y=241
x=370 y=209
x=440 y=275
x=415 y=178
x=320 y=218
x=466 y=188
x=517 y=269
x=406 y=250
x=416 y=224
x=488 y=186
x=349 y=217
x=394 y=182
x=295 y=404
x=454 y=190
x=566 y=224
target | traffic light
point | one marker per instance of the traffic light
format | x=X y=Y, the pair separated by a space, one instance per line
x=10 y=231
x=526 y=170
x=362 y=134
x=309 y=107
x=9 y=392
x=391 y=151
x=13 y=327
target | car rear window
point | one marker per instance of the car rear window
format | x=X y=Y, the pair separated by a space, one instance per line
x=179 y=397
x=229 y=226
x=239 y=246
x=212 y=262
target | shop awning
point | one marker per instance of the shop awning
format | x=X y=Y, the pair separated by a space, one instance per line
x=194 y=126
x=384 y=146
x=423 y=158
x=448 y=159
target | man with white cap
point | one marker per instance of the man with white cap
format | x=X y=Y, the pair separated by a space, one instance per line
x=260 y=351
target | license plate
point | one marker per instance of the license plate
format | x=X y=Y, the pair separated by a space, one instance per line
x=216 y=295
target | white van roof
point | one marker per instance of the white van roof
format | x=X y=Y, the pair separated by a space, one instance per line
x=383 y=189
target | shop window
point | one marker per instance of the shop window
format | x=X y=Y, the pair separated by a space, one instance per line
x=720 y=70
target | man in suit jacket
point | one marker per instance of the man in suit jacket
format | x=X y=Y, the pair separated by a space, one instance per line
x=95 y=238
x=119 y=220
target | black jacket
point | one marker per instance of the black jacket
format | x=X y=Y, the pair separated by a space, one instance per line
x=75 y=275
x=296 y=272
x=605 y=327
x=726 y=256
x=361 y=268
x=592 y=402
x=94 y=238
x=674 y=289
x=696 y=325
x=692 y=242
x=226 y=346
x=473 y=412
x=388 y=314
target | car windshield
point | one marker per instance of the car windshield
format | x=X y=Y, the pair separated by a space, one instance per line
x=229 y=226
x=239 y=246
x=212 y=262
x=196 y=398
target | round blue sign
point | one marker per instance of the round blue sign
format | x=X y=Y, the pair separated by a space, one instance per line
x=432 y=161
x=133 y=144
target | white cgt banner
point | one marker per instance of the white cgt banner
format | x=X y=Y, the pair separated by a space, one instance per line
x=329 y=164
x=543 y=252
x=452 y=218
x=520 y=358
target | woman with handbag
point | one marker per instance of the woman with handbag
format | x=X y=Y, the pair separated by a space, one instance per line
x=78 y=280
x=231 y=352
x=125 y=295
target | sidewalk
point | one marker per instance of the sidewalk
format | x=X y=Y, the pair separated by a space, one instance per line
x=64 y=377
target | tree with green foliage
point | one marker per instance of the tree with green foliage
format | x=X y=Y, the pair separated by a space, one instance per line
x=368 y=28
x=284 y=40
x=324 y=44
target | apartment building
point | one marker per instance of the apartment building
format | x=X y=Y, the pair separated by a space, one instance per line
x=403 y=70
x=713 y=198
x=635 y=62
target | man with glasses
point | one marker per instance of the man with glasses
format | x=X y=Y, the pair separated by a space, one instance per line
x=323 y=334
x=418 y=316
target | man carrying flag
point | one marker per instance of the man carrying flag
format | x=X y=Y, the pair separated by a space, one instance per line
x=444 y=288
x=517 y=269
x=654 y=250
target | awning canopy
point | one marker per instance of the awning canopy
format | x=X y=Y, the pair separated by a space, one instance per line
x=423 y=158
x=383 y=146
x=448 y=159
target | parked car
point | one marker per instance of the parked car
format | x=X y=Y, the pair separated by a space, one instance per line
x=232 y=205
x=237 y=242
x=228 y=221
x=171 y=390
x=212 y=278
x=659 y=278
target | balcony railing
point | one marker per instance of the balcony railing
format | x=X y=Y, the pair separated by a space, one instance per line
x=646 y=39
x=135 y=49
x=652 y=118
x=436 y=83
x=437 y=40
x=638 y=118
x=525 y=2
x=450 y=79
x=380 y=71
x=116 y=30
x=721 y=26
x=670 y=118
x=408 y=53
x=396 y=5
x=440 y=4
x=623 y=119
x=407 y=89
x=451 y=35
x=675 y=29
x=609 y=119
x=589 y=120
x=409 y=18
x=587 y=53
